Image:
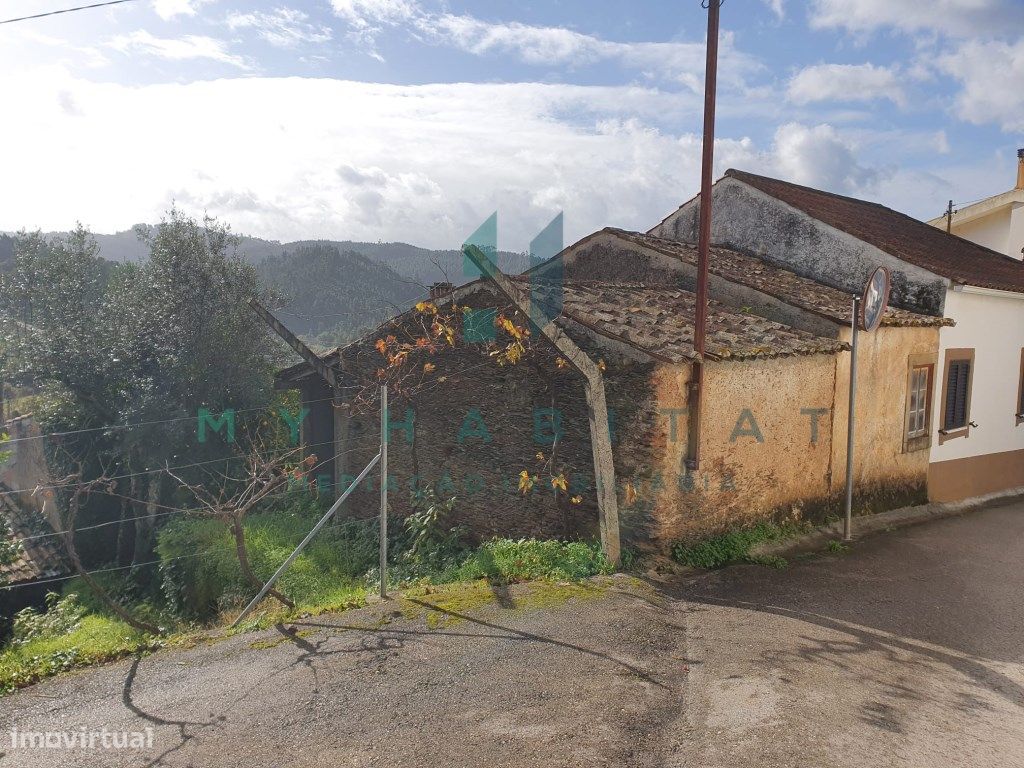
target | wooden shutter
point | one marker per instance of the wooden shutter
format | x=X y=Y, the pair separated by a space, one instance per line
x=957 y=379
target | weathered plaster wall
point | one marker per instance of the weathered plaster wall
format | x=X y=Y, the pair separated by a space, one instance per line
x=26 y=467
x=882 y=370
x=743 y=476
x=749 y=220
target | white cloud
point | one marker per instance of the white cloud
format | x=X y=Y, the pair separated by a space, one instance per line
x=544 y=46
x=845 y=82
x=558 y=46
x=282 y=27
x=297 y=158
x=177 y=49
x=777 y=7
x=168 y=9
x=953 y=17
x=369 y=13
x=818 y=156
x=992 y=78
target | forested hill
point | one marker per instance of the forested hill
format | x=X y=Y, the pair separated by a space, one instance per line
x=329 y=295
x=331 y=289
x=410 y=261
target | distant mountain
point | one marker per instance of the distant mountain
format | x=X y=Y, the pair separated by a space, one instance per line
x=422 y=265
x=331 y=289
x=330 y=296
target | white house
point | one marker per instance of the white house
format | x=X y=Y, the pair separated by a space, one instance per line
x=973 y=389
x=996 y=222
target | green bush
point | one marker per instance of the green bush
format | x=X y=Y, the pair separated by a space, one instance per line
x=92 y=639
x=62 y=616
x=519 y=560
x=734 y=546
x=200 y=587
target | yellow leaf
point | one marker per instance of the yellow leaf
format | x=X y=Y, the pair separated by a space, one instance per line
x=381 y=346
x=525 y=482
x=576 y=499
x=426 y=307
x=600 y=365
x=630 y=494
x=428 y=367
x=560 y=483
x=560 y=362
x=540 y=455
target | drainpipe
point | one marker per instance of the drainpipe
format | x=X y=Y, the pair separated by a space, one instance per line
x=704 y=236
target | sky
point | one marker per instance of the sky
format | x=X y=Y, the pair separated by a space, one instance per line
x=414 y=120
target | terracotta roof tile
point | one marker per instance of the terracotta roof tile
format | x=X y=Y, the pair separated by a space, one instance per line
x=897 y=234
x=660 y=320
x=770 y=279
x=40 y=558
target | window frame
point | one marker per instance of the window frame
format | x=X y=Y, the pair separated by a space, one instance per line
x=923 y=440
x=963 y=354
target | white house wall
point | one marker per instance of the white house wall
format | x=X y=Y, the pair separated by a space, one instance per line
x=991 y=457
x=992 y=230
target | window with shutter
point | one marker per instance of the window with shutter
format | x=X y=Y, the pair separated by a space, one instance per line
x=956 y=394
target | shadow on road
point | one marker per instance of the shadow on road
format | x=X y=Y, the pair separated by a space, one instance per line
x=501 y=633
x=187 y=729
x=867 y=641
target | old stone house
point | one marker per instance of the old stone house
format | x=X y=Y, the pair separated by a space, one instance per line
x=41 y=557
x=773 y=431
x=973 y=391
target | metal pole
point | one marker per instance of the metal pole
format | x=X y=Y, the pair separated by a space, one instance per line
x=848 y=522
x=309 y=537
x=384 y=492
x=704 y=235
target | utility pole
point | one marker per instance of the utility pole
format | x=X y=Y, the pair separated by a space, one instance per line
x=704 y=236
x=949 y=217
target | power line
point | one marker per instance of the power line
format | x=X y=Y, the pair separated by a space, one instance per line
x=65 y=10
x=154 y=422
x=170 y=510
x=162 y=469
x=106 y=570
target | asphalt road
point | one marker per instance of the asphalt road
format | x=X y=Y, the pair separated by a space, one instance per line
x=908 y=650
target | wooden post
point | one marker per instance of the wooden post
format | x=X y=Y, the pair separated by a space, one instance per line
x=597 y=407
x=341 y=422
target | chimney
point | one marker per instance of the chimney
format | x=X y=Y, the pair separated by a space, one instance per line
x=1020 y=169
x=440 y=290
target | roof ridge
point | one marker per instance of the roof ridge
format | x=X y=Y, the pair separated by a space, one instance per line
x=739 y=174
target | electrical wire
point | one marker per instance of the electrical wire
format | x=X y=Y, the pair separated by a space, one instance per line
x=65 y=10
x=104 y=570
x=171 y=510
x=162 y=469
x=154 y=422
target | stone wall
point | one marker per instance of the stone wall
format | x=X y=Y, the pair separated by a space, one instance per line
x=481 y=424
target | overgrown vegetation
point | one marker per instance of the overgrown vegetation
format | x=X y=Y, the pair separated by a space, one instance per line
x=202 y=585
x=63 y=637
x=735 y=546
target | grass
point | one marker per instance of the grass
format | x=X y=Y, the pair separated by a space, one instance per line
x=96 y=639
x=336 y=572
x=734 y=546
